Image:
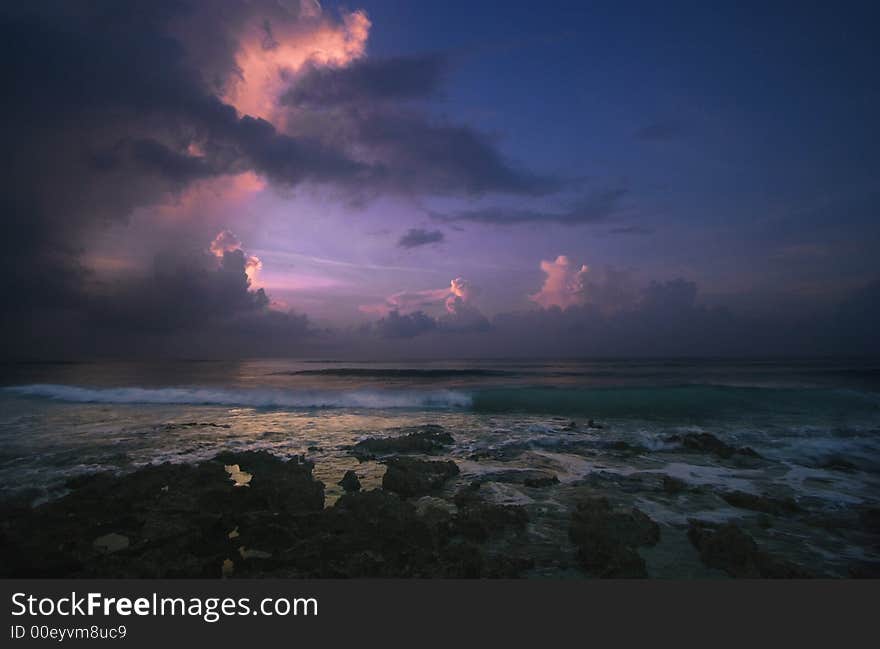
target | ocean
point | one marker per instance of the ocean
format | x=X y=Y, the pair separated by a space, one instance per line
x=615 y=424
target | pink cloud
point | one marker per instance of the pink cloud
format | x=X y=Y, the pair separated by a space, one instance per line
x=459 y=292
x=267 y=60
x=564 y=284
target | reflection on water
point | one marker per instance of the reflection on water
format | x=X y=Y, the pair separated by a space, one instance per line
x=239 y=477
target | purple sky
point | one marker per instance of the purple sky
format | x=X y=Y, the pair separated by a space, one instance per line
x=237 y=178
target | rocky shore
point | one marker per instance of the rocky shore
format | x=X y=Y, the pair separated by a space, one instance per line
x=251 y=514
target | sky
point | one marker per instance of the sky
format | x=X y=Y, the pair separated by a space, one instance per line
x=398 y=179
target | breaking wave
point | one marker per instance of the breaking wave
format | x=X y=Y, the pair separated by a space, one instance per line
x=667 y=402
x=257 y=397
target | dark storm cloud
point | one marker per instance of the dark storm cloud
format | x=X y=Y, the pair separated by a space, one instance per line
x=368 y=81
x=594 y=208
x=421 y=154
x=368 y=107
x=179 y=294
x=409 y=325
x=102 y=104
x=462 y=318
x=415 y=237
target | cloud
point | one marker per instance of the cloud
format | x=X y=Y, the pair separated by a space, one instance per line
x=273 y=50
x=416 y=153
x=415 y=237
x=409 y=311
x=113 y=113
x=397 y=325
x=563 y=285
x=594 y=208
x=226 y=242
x=367 y=81
x=568 y=285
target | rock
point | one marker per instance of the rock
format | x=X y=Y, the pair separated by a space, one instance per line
x=350 y=482
x=673 y=485
x=466 y=559
x=728 y=548
x=765 y=504
x=504 y=454
x=411 y=477
x=708 y=443
x=111 y=543
x=607 y=539
x=869 y=518
x=837 y=463
x=436 y=512
x=543 y=481
x=429 y=440
x=369 y=534
x=480 y=522
x=181 y=531
x=527 y=477
x=626 y=447
x=865 y=570
x=247 y=553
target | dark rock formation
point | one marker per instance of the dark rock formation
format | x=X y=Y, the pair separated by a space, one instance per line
x=478 y=520
x=411 y=477
x=870 y=519
x=765 y=504
x=350 y=482
x=728 y=548
x=607 y=539
x=430 y=439
x=527 y=477
x=708 y=443
x=176 y=518
x=171 y=521
x=673 y=485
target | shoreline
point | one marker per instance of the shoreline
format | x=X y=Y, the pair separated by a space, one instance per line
x=252 y=513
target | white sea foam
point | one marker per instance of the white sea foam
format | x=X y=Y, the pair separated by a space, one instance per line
x=256 y=398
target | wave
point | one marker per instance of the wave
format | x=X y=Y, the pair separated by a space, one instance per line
x=256 y=397
x=396 y=373
x=666 y=402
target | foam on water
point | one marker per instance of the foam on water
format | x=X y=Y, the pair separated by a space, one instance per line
x=254 y=397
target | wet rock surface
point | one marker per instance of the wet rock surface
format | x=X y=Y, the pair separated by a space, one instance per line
x=528 y=477
x=562 y=503
x=761 y=503
x=193 y=521
x=408 y=477
x=607 y=539
x=477 y=519
x=708 y=443
x=350 y=482
x=728 y=548
x=430 y=439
